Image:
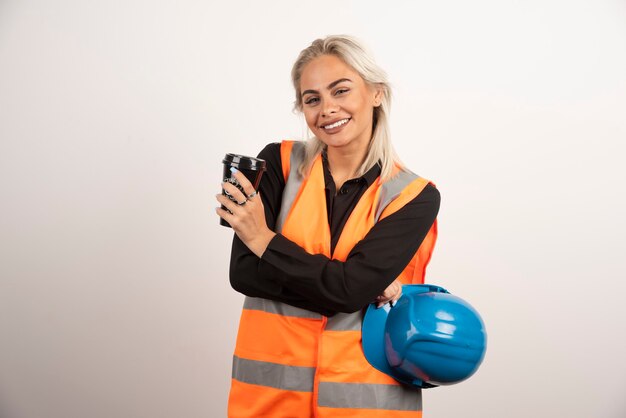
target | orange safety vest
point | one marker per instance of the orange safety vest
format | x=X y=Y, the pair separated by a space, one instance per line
x=291 y=362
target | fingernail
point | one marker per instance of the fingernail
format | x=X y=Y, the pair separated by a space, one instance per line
x=233 y=170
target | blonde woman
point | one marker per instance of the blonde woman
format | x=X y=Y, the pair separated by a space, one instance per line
x=338 y=223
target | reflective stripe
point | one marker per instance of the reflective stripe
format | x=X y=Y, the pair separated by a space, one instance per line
x=392 y=188
x=369 y=396
x=279 y=308
x=292 y=185
x=273 y=375
x=389 y=190
x=345 y=322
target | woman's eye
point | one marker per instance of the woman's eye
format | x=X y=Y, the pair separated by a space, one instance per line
x=311 y=100
x=341 y=91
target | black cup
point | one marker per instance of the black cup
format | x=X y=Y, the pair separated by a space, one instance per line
x=252 y=168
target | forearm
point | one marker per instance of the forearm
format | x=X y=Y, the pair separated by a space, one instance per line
x=246 y=278
x=342 y=286
x=244 y=263
x=370 y=267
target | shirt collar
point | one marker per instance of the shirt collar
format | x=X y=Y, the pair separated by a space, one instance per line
x=369 y=177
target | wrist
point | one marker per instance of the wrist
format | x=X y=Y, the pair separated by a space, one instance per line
x=259 y=244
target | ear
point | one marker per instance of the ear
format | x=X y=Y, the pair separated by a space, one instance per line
x=378 y=96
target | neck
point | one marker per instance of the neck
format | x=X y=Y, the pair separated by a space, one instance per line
x=344 y=163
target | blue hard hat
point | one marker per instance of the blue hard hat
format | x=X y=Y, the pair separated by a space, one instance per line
x=428 y=338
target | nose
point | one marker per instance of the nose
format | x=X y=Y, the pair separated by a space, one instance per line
x=329 y=106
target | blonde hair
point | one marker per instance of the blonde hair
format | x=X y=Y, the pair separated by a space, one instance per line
x=351 y=52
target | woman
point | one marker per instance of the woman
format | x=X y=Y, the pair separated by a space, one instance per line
x=337 y=224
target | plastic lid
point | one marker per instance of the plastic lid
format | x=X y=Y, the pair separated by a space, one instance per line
x=243 y=162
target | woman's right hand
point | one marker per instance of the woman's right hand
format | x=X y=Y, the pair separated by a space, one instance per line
x=391 y=294
x=245 y=214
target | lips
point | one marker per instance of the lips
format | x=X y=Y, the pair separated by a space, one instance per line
x=336 y=124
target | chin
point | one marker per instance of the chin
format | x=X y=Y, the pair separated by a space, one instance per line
x=337 y=143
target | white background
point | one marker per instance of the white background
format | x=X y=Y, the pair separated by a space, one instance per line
x=114 y=118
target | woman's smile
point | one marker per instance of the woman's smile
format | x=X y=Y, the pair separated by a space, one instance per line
x=334 y=127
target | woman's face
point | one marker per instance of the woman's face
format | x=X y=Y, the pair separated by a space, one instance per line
x=337 y=103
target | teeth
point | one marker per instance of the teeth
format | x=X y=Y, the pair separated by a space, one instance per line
x=336 y=124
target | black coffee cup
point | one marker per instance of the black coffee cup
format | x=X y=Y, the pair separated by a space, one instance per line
x=252 y=168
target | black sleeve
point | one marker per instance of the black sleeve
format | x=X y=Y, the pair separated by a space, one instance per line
x=370 y=267
x=287 y=273
x=244 y=264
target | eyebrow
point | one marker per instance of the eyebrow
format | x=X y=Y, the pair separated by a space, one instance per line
x=330 y=86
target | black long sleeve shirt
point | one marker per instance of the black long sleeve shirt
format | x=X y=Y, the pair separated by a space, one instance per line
x=287 y=273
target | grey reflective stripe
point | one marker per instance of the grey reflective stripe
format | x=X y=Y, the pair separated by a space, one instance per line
x=292 y=185
x=270 y=306
x=389 y=190
x=369 y=396
x=273 y=375
x=345 y=322
x=392 y=188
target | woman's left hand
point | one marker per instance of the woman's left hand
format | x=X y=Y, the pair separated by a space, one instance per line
x=391 y=294
x=247 y=215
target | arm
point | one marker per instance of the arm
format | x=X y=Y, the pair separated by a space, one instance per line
x=371 y=266
x=244 y=264
x=287 y=273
